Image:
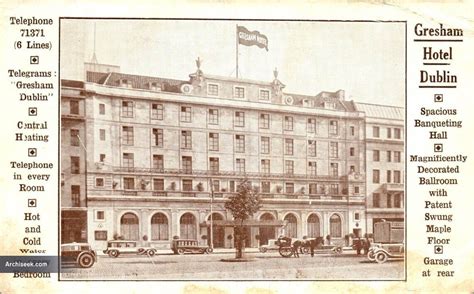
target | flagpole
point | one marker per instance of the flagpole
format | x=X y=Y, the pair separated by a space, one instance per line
x=237 y=51
x=212 y=225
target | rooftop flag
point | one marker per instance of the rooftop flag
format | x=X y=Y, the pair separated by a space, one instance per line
x=248 y=38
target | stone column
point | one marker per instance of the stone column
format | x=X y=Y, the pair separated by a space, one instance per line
x=304 y=224
x=174 y=223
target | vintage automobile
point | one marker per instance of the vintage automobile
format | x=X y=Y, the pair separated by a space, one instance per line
x=118 y=247
x=388 y=242
x=181 y=246
x=78 y=253
x=272 y=245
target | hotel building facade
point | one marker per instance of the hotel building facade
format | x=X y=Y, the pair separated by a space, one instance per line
x=149 y=158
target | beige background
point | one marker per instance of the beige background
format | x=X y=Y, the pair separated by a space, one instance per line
x=453 y=14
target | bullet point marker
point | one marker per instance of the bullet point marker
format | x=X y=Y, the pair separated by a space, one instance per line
x=31 y=202
x=438 y=147
x=34 y=59
x=438 y=97
x=32 y=111
x=32 y=152
x=438 y=249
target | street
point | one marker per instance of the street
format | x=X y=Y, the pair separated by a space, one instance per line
x=264 y=266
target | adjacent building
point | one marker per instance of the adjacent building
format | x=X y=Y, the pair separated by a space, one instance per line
x=149 y=159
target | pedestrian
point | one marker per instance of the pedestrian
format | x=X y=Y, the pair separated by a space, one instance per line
x=359 y=245
x=312 y=245
x=296 y=246
x=366 y=245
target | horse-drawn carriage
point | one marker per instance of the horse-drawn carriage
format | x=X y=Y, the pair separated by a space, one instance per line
x=293 y=247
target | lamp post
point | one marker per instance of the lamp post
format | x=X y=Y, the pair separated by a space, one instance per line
x=212 y=225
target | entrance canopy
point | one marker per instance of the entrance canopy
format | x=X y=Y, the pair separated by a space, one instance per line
x=247 y=223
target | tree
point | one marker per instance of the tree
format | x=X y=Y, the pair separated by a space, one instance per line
x=243 y=206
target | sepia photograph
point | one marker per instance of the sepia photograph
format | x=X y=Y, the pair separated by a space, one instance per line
x=212 y=149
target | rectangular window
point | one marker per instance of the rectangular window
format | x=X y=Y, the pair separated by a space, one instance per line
x=239 y=143
x=129 y=183
x=214 y=141
x=389 y=176
x=312 y=168
x=333 y=128
x=289 y=188
x=312 y=125
x=102 y=157
x=99 y=182
x=76 y=195
x=127 y=135
x=265 y=187
x=264 y=95
x=397 y=156
x=312 y=148
x=127 y=108
x=356 y=216
x=157 y=111
x=397 y=201
x=397 y=177
x=356 y=190
x=231 y=186
x=264 y=121
x=239 y=92
x=352 y=130
x=265 y=145
x=375 y=132
x=334 y=150
x=102 y=134
x=187 y=164
x=389 y=201
x=157 y=137
x=398 y=133
x=289 y=167
x=334 y=171
x=288 y=146
x=212 y=89
x=74 y=137
x=100 y=215
x=288 y=123
x=240 y=165
x=389 y=133
x=100 y=235
x=265 y=166
x=75 y=165
x=214 y=164
x=389 y=156
x=186 y=140
x=375 y=176
x=101 y=108
x=216 y=185
x=352 y=151
x=334 y=189
x=157 y=162
x=376 y=155
x=239 y=120
x=376 y=199
x=185 y=114
x=128 y=160
x=187 y=185
x=158 y=185
x=74 y=107
x=313 y=188
x=213 y=116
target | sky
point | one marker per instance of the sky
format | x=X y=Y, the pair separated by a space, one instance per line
x=365 y=59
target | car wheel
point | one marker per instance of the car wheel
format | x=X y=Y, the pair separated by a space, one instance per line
x=381 y=257
x=209 y=250
x=371 y=255
x=114 y=253
x=263 y=249
x=305 y=250
x=180 y=251
x=150 y=252
x=338 y=250
x=86 y=260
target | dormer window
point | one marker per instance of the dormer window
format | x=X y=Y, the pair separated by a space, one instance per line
x=239 y=92
x=125 y=83
x=264 y=95
x=154 y=86
x=329 y=105
x=212 y=90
